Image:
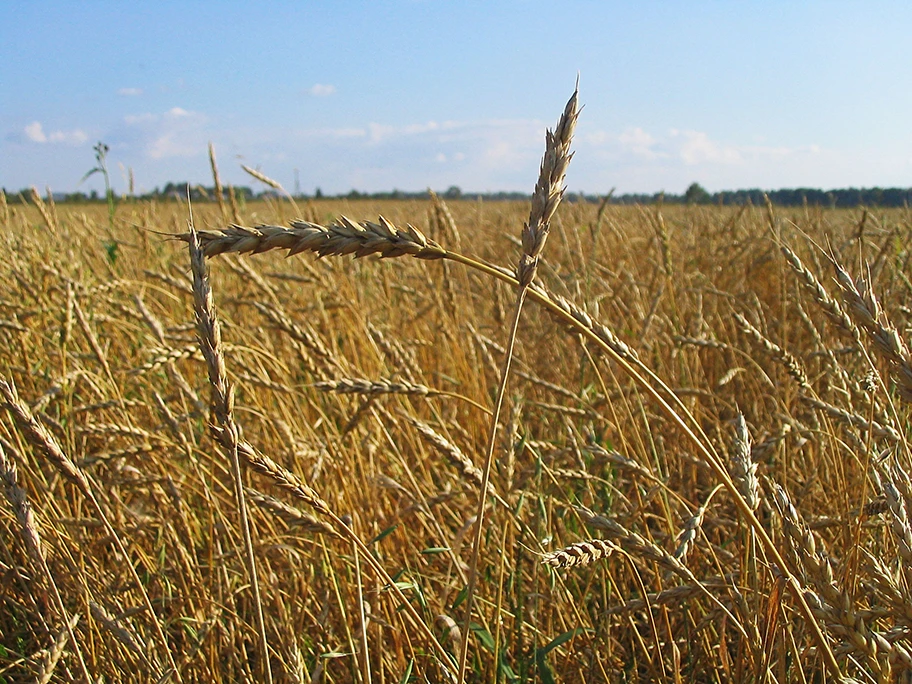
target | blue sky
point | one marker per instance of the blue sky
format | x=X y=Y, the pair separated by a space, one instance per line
x=423 y=93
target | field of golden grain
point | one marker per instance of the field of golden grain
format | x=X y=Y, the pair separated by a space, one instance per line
x=700 y=471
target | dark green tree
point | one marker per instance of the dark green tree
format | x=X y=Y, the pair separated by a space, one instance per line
x=696 y=194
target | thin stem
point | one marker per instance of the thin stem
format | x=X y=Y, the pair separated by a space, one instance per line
x=485 y=479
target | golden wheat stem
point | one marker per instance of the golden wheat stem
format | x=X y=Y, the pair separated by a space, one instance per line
x=228 y=433
x=217 y=182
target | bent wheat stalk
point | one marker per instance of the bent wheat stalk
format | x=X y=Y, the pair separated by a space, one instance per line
x=291 y=483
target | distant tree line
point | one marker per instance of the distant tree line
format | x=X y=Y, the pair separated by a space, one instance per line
x=789 y=197
x=695 y=194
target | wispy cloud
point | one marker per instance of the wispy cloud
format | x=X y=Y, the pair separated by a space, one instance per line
x=688 y=147
x=130 y=92
x=175 y=133
x=490 y=154
x=322 y=90
x=641 y=160
x=34 y=132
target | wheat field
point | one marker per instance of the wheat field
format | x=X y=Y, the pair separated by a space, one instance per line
x=232 y=467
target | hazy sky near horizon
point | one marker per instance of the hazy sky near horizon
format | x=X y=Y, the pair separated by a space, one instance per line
x=412 y=94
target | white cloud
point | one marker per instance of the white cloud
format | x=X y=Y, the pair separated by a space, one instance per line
x=638 y=142
x=134 y=119
x=35 y=132
x=686 y=147
x=171 y=145
x=322 y=90
x=130 y=92
x=175 y=133
x=695 y=147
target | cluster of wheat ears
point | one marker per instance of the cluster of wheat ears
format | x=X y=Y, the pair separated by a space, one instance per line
x=692 y=468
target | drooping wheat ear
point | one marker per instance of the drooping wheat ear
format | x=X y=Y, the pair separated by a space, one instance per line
x=664 y=243
x=692 y=527
x=181 y=285
x=52 y=206
x=706 y=343
x=311 y=342
x=583 y=319
x=450 y=452
x=290 y=515
x=43 y=210
x=744 y=469
x=122 y=634
x=902 y=530
x=674 y=595
x=235 y=209
x=831 y=604
x=39 y=437
x=21 y=508
x=263 y=178
x=224 y=427
x=549 y=190
x=445 y=221
x=4 y=208
x=164 y=357
x=399 y=357
x=774 y=351
x=338 y=239
x=832 y=308
x=878 y=430
x=55 y=652
x=150 y=319
x=636 y=545
x=621 y=461
x=866 y=311
x=581 y=553
x=217 y=182
x=372 y=387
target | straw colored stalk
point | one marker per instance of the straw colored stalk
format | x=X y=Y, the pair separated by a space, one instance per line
x=41 y=439
x=224 y=427
x=549 y=191
x=829 y=603
x=217 y=182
